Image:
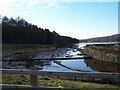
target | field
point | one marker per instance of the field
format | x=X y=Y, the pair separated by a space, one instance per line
x=51 y=82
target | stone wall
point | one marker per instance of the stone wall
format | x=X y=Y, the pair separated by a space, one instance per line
x=104 y=53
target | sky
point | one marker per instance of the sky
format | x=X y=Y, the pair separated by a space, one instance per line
x=79 y=19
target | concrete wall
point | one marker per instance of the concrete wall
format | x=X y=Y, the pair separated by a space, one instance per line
x=101 y=54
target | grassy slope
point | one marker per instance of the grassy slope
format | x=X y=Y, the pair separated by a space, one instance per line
x=52 y=82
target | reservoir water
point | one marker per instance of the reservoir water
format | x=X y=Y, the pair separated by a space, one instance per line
x=72 y=65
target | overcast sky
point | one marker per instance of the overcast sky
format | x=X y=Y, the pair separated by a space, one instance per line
x=73 y=18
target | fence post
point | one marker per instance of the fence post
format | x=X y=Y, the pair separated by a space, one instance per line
x=33 y=80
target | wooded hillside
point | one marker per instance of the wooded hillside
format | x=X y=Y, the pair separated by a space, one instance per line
x=19 y=31
x=112 y=38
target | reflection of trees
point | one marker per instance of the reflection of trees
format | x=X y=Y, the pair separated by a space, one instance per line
x=103 y=66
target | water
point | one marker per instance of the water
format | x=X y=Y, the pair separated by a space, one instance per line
x=80 y=45
x=79 y=65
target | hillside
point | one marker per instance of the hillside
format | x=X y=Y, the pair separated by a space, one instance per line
x=112 y=38
x=19 y=31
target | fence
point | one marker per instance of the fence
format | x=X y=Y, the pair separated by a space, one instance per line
x=114 y=77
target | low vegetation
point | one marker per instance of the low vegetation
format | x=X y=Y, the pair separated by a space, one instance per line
x=10 y=49
x=107 y=48
x=51 y=82
x=107 y=53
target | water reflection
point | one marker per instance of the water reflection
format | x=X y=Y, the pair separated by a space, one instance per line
x=42 y=64
x=103 y=66
x=88 y=65
x=73 y=65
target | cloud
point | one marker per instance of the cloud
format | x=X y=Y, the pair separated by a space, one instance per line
x=90 y=0
x=27 y=6
x=48 y=3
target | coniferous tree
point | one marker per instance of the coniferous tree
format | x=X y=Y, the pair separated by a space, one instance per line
x=19 y=31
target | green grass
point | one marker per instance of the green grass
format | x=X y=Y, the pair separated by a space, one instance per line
x=52 y=82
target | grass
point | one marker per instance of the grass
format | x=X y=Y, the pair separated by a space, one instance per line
x=108 y=49
x=51 y=82
x=11 y=49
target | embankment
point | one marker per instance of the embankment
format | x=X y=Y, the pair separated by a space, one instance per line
x=109 y=53
x=11 y=49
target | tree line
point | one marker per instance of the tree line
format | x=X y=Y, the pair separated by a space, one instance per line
x=111 y=38
x=19 y=31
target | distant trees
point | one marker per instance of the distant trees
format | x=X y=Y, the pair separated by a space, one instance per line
x=112 y=38
x=19 y=31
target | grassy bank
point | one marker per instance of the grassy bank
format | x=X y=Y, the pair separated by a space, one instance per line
x=107 y=48
x=10 y=49
x=107 y=53
x=51 y=82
